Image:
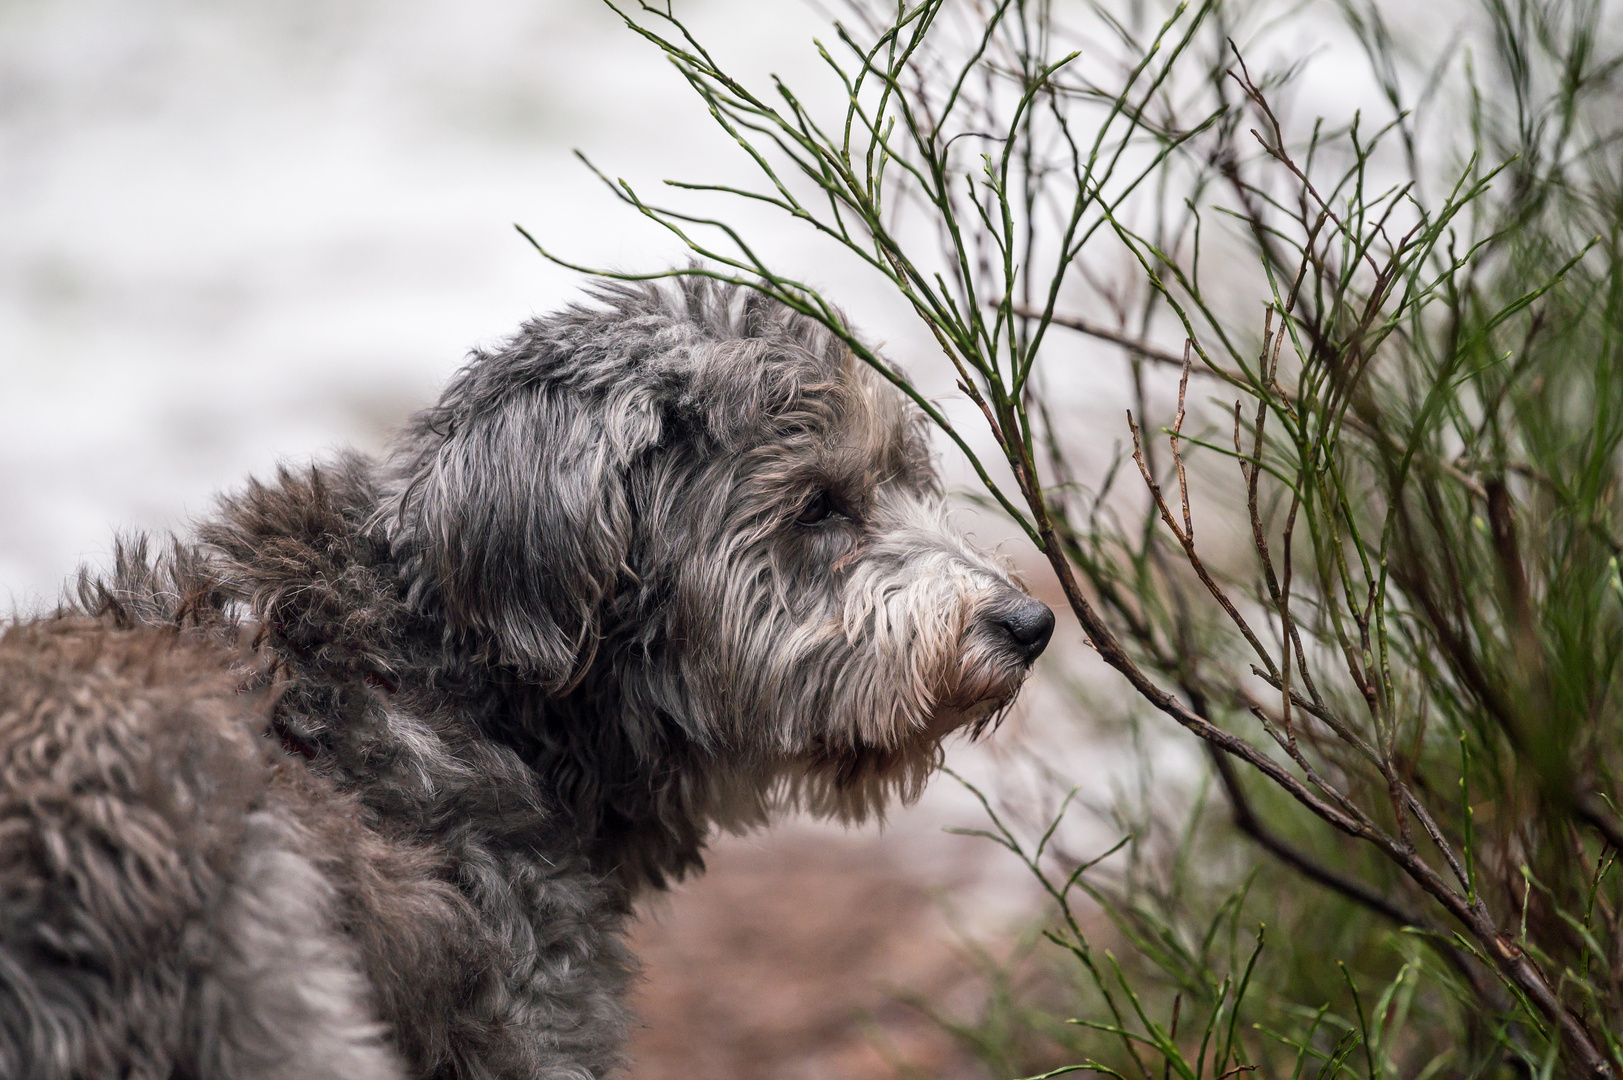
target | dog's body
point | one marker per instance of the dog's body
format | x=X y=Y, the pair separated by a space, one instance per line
x=364 y=779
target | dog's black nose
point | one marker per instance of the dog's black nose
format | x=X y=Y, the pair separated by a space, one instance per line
x=1029 y=625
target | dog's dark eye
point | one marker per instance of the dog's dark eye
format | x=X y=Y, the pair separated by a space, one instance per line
x=820 y=508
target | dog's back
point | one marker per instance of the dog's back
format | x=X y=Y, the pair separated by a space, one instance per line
x=159 y=914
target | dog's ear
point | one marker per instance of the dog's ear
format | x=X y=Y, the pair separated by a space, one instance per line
x=522 y=518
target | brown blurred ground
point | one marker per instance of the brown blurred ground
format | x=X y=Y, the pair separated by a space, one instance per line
x=786 y=959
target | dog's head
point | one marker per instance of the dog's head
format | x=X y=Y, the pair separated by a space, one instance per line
x=700 y=509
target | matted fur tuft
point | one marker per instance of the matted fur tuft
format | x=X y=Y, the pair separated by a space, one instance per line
x=363 y=778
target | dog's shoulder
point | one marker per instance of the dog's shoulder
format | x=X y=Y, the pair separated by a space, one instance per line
x=300 y=556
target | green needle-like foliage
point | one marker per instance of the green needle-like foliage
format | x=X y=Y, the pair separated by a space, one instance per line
x=1397 y=348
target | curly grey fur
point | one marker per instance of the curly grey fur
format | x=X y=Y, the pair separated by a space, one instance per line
x=363 y=779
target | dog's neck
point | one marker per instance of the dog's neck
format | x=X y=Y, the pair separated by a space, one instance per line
x=308 y=561
x=638 y=794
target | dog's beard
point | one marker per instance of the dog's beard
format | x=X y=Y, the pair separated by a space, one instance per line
x=853 y=783
x=851 y=776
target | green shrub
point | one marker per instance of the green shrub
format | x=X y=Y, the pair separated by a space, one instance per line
x=1399 y=407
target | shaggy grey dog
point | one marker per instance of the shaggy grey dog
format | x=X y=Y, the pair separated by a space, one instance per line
x=362 y=781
